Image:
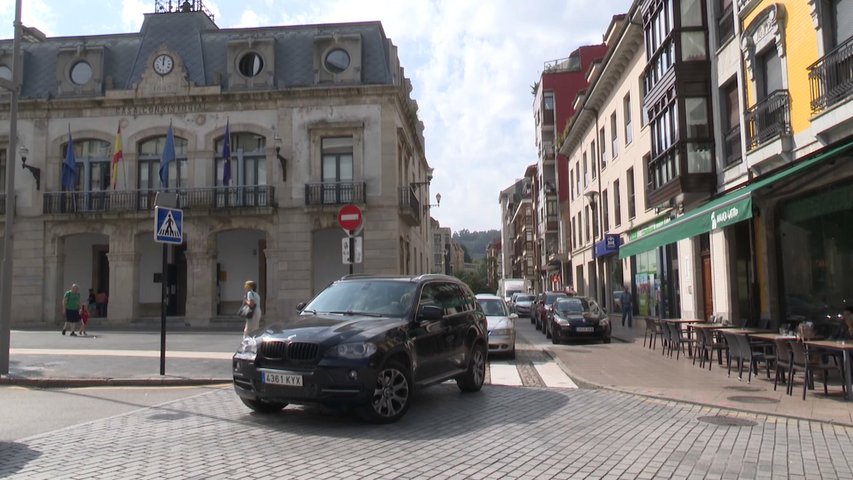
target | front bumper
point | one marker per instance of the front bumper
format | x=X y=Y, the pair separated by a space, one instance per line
x=522 y=311
x=501 y=343
x=581 y=331
x=328 y=384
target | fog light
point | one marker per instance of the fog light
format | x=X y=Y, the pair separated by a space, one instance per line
x=353 y=375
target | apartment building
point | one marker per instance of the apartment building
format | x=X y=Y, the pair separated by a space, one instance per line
x=314 y=116
x=553 y=105
x=749 y=104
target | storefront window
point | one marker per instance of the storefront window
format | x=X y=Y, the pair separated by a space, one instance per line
x=646 y=281
x=816 y=256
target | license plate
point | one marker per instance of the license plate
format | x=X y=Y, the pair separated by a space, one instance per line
x=585 y=329
x=281 y=379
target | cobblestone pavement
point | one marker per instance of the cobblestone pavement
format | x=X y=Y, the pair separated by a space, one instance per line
x=501 y=432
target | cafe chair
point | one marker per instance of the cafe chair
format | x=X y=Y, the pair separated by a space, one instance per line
x=666 y=338
x=808 y=364
x=784 y=360
x=653 y=331
x=679 y=339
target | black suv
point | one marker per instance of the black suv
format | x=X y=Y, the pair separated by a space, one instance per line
x=366 y=341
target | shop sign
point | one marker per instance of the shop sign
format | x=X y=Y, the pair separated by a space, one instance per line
x=648 y=229
x=730 y=214
x=608 y=246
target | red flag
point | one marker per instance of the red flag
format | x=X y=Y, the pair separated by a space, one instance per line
x=117 y=155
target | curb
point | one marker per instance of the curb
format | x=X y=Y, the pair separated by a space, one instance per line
x=583 y=380
x=110 y=382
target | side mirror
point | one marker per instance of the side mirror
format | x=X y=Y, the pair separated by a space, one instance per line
x=513 y=315
x=300 y=306
x=430 y=312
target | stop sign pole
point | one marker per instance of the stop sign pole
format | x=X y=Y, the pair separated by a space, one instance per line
x=350 y=218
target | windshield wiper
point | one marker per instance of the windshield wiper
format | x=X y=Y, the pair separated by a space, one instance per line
x=312 y=312
x=351 y=313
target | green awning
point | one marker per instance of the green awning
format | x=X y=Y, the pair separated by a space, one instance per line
x=731 y=208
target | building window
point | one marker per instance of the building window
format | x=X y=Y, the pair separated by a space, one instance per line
x=617 y=204
x=725 y=22
x=150 y=152
x=626 y=116
x=585 y=172
x=605 y=210
x=251 y=64
x=594 y=212
x=572 y=182
x=602 y=144
x=660 y=47
x=248 y=159
x=614 y=136
x=574 y=234
x=577 y=179
x=593 y=161
x=81 y=73
x=586 y=223
x=771 y=73
x=632 y=205
x=665 y=165
x=337 y=170
x=731 y=123
x=337 y=61
x=548 y=101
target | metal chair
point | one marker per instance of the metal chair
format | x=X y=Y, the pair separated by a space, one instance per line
x=802 y=360
x=784 y=359
x=679 y=340
x=653 y=330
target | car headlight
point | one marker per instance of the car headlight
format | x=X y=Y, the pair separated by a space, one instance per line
x=562 y=321
x=352 y=350
x=248 y=349
x=501 y=331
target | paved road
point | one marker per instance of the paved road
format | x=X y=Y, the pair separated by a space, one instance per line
x=501 y=432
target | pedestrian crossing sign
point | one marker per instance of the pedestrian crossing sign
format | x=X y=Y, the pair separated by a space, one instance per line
x=168 y=225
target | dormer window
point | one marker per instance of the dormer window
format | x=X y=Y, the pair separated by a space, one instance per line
x=251 y=64
x=337 y=61
x=81 y=73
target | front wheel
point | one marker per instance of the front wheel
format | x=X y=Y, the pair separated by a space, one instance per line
x=392 y=394
x=547 y=329
x=261 y=406
x=472 y=380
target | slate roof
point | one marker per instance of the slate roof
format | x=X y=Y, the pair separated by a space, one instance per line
x=202 y=47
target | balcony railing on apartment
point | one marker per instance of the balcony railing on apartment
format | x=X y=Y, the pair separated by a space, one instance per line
x=410 y=206
x=831 y=77
x=106 y=201
x=768 y=119
x=334 y=193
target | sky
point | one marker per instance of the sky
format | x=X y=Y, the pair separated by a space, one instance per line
x=472 y=64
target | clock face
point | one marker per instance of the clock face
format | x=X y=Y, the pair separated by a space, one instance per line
x=163 y=64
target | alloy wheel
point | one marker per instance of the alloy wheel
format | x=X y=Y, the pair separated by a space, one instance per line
x=391 y=393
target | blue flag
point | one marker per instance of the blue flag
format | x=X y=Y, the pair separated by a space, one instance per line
x=69 y=165
x=226 y=155
x=167 y=157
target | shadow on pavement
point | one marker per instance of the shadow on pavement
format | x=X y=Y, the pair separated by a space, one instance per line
x=14 y=457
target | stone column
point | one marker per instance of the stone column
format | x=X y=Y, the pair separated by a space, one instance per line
x=201 y=284
x=124 y=287
x=52 y=308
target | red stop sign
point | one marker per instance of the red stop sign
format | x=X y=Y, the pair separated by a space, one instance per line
x=349 y=217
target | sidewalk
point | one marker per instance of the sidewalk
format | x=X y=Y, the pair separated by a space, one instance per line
x=627 y=366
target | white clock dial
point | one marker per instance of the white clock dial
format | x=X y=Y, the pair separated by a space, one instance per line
x=163 y=64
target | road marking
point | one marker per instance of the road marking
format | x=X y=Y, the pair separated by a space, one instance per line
x=504 y=373
x=553 y=375
x=122 y=353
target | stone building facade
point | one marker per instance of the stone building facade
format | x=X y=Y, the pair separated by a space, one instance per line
x=317 y=116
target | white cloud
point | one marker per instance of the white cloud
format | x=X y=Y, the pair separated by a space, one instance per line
x=133 y=13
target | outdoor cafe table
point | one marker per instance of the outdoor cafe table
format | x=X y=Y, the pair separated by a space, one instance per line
x=845 y=347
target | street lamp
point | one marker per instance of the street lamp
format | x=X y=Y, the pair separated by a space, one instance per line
x=437 y=202
x=35 y=171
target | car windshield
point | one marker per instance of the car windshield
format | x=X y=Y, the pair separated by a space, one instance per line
x=572 y=305
x=524 y=298
x=493 y=307
x=365 y=297
x=551 y=297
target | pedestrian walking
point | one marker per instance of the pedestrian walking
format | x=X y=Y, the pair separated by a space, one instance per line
x=71 y=305
x=627 y=302
x=84 y=320
x=251 y=302
x=101 y=303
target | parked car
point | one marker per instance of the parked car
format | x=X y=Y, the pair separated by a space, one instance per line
x=523 y=304
x=544 y=307
x=578 y=317
x=501 y=324
x=366 y=342
x=512 y=298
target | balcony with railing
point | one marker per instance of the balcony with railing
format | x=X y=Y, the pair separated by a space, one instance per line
x=128 y=201
x=334 y=193
x=831 y=77
x=768 y=119
x=410 y=206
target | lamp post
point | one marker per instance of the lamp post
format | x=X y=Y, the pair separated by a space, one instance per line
x=6 y=267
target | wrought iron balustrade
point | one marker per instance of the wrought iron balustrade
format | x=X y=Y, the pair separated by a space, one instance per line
x=768 y=119
x=410 y=206
x=334 y=193
x=831 y=77
x=107 y=201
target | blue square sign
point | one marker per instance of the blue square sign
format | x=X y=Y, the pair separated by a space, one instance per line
x=168 y=225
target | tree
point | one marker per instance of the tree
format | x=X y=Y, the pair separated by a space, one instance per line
x=476 y=279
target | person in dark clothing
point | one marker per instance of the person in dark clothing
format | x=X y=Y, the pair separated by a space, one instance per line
x=626 y=300
x=845 y=330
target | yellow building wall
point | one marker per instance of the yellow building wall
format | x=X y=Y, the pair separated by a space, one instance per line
x=801 y=50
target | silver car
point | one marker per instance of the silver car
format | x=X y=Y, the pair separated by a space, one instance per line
x=501 y=324
x=523 y=304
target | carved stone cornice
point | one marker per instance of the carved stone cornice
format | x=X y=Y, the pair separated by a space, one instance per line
x=814 y=10
x=766 y=28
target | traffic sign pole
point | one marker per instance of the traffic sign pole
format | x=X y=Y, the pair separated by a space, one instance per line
x=351 y=250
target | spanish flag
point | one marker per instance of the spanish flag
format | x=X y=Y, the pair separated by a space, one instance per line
x=117 y=154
